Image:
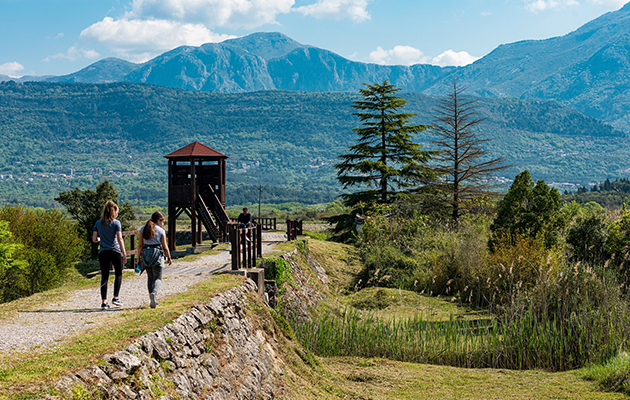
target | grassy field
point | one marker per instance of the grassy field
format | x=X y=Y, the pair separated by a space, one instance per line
x=376 y=378
x=26 y=375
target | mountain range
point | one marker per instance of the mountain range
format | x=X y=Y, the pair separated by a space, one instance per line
x=588 y=69
x=57 y=136
x=282 y=111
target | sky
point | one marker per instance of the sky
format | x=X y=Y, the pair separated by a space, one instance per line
x=57 y=37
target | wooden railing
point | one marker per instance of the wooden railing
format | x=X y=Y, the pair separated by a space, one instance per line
x=133 y=252
x=246 y=246
x=266 y=223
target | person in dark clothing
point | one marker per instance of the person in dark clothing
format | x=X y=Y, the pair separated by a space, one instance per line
x=245 y=220
x=108 y=231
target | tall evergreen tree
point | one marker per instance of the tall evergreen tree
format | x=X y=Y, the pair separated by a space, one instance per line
x=386 y=160
x=463 y=163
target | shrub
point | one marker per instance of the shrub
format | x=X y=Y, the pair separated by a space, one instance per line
x=516 y=265
x=613 y=376
x=422 y=255
x=588 y=238
x=50 y=245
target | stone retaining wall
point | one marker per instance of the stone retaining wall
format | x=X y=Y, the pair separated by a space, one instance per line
x=210 y=352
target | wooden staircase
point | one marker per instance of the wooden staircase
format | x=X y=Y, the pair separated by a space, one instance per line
x=212 y=213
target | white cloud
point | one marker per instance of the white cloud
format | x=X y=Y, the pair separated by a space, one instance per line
x=399 y=55
x=11 y=69
x=486 y=13
x=212 y=13
x=355 y=10
x=543 y=5
x=613 y=4
x=452 y=58
x=140 y=40
x=74 y=53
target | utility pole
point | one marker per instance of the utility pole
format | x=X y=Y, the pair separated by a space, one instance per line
x=259 y=197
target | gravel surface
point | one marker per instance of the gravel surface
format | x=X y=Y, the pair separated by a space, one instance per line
x=41 y=328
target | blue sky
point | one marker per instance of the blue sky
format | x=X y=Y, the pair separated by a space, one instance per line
x=56 y=37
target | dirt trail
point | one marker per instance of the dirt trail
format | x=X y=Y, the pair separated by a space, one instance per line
x=41 y=328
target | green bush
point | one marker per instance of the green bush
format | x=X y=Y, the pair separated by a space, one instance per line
x=50 y=246
x=613 y=376
x=588 y=238
x=418 y=254
x=279 y=270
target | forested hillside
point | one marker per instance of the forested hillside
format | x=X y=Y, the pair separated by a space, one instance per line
x=60 y=136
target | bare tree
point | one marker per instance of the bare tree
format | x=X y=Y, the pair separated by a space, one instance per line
x=463 y=162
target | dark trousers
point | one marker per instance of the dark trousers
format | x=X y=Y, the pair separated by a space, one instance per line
x=105 y=259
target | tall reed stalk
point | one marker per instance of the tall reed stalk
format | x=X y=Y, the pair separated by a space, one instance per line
x=514 y=342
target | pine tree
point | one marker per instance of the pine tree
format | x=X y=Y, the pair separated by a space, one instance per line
x=385 y=161
x=463 y=163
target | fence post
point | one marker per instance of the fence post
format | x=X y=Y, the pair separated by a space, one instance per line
x=259 y=240
x=249 y=248
x=243 y=235
x=133 y=247
x=289 y=230
x=236 y=248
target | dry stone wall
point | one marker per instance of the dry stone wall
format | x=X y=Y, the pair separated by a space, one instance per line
x=210 y=352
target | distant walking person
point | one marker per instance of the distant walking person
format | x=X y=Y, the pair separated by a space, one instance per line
x=245 y=219
x=108 y=230
x=153 y=249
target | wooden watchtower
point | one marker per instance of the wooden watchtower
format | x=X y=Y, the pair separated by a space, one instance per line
x=196 y=186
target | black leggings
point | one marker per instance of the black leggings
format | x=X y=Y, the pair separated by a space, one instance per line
x=105 y=259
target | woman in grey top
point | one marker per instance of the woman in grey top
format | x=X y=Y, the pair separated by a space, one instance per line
x=108 y=231
x=153 y=249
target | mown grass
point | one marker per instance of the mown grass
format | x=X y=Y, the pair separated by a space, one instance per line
x=24 y=374
x=381 y=379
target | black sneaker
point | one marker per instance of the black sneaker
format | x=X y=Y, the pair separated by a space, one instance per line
x=117 y=302
x=104 y=306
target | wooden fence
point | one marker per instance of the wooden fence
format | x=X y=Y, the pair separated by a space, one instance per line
x=266 y=223
x=294 y=228
x=133 y=252
x=246 y=246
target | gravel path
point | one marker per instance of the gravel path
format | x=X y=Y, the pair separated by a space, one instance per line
x=41 y=328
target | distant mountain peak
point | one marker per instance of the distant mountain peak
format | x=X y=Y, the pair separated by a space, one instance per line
x=266 y=45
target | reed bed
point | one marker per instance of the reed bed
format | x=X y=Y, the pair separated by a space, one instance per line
x=514 y=342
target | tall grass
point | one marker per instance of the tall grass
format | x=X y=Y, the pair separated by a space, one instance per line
x=525 y=342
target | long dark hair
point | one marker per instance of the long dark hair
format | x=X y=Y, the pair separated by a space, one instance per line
x=149 y=228
x=109 y=213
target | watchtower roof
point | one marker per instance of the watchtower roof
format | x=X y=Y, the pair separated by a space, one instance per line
x=196 y=150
